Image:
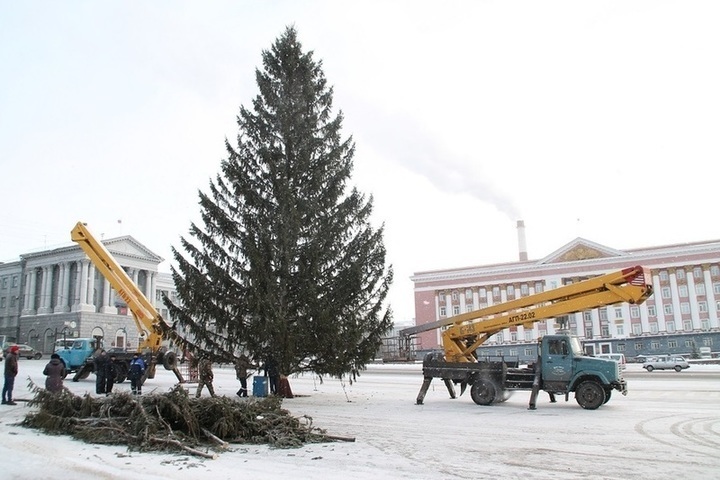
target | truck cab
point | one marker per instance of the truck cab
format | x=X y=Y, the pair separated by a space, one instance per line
x=75 y=356
x=565 y=367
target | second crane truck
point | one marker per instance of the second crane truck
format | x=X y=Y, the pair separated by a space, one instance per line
x=153 y=329
x=561 y=366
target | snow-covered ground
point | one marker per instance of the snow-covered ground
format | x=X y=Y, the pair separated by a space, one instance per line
x=668 y=427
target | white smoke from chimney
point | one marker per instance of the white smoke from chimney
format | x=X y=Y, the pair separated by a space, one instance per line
x=408 y=143
x=522 y=243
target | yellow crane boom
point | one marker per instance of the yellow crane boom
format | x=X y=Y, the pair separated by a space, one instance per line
x=467 y=331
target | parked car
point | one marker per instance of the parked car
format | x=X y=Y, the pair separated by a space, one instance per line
x=25 y=351
x=668 y=362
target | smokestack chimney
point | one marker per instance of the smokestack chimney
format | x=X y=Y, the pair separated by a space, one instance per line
x=522 y=244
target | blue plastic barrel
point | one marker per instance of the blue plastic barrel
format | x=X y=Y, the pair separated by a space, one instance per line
x=260 y=386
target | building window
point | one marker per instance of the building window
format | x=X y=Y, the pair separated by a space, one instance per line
x=588 y=332
x=456 y=309
x=707 y=342
x=667 y=308
x=528 y=335
x=587 y=316
x=468 y=308
x=687 y=325
x=618 y=312
x=700 y=288
x=483 y=292
x=529 y=352
x=2 y=302
x=14 y=281
x=538 y=287
x=682 y=291
x=697 y=273
x=468 y=294
x=620 y=329
x=716 y=288
x=4 y=282
x=13 y=301
x=689 y=344
x=714 y=270
x=511 y=290
x=670 y=326
x=637 y=329
x=603 y=314
x=665 y=292
x=663 y=276
x=513 y=336
x=638 y=346
x=680 y=273
x=685 y=307
x=654 y=345
x=621 y=347
x=443 y=312
x=513 y=352
x=705 y=324
x=604 y=331
x=634 y=311
x=524 y=290
x=653 y=327
x=702 y=306
x=651 y=310
x=496 y=292
x=672 y=344
x=454 y=296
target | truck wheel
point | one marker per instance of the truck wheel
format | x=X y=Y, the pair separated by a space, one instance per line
x=649 y=368
x=608 y=394
x=483 y=391
x=170 y=361
x=589 y=395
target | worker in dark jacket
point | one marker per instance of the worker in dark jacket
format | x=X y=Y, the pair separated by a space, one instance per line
x=136 y=373
x=100 y=367
x=242 y=363
x=273 y=373
x=110 y=373
x=11 y=371
x=205 y=376
x=55 y=372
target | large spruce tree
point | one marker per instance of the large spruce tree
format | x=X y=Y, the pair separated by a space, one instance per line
x=286 y=263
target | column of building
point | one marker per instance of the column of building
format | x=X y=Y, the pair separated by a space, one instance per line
x=29 y=297
x=659 y=308
x=692 y=294
x=710 y=292
x=675 y=298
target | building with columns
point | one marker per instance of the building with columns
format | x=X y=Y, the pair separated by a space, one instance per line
x=680 y=317
x=54 y=293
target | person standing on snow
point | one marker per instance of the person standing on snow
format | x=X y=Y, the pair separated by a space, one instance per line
x=205 y=376
x=11 y=371
x=241 y=371
x=100 y=366
x=136 y=373
x=110 y=373
x=55 y=372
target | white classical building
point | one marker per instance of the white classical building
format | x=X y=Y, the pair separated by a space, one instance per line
x=55 y=293
x=680 y=317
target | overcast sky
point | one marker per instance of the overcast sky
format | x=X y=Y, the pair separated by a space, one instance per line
x=585 y=119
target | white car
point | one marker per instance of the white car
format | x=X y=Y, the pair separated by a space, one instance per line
x=666 y=362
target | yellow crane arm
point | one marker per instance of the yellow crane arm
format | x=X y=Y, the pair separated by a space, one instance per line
x=468 y=331
x=149 y=322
